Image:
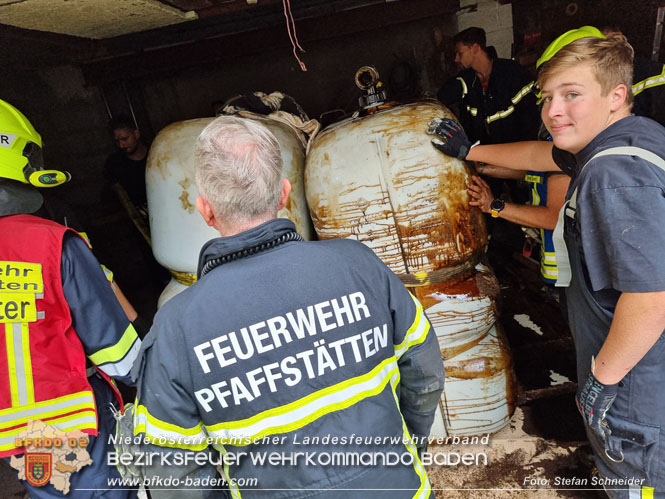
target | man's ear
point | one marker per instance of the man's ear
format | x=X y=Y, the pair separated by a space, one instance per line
x=205 y=210
x=618 y=97
x=137 y=134
x=286 y=190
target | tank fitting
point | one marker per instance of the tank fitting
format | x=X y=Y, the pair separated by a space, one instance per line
x=367 y=79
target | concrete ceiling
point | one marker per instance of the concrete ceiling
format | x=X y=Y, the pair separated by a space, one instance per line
x=136 y=37
x=96 y=19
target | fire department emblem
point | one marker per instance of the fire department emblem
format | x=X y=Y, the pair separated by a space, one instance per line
x=38 y=468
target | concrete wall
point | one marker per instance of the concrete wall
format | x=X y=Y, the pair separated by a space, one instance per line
x=496 y=19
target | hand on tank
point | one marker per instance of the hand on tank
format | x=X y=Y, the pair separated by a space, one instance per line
x=480 y=193
x=451 y=139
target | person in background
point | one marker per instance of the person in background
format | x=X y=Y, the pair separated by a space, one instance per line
x=497 y=104
x=125 y=167
x=124 y=174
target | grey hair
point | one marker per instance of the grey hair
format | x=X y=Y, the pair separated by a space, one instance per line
x=239 y=170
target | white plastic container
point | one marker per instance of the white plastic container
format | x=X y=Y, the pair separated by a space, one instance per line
x=178 y=232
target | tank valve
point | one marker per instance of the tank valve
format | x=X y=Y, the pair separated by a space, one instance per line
x=367 y=79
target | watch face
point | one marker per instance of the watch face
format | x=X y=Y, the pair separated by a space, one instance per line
x=497 y=205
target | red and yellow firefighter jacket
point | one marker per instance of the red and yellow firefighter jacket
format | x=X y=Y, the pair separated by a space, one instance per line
x=42 y=359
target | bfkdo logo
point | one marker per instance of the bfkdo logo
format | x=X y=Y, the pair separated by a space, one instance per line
x=38 y=468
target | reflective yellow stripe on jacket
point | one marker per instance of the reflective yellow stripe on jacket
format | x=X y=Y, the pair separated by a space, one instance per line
x=297 y=414
x=76 y=411
x=117 y=360
x=165 y=434
x=515 y=100
x=652 y=81
x=425 y=488
x=291 y=417
x=417 y=333
x=19 y=363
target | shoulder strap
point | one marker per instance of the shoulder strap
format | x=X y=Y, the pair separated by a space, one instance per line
x=620 y=151
x=569 y=208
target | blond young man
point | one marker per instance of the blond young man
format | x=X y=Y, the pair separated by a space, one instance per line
x=614 y=238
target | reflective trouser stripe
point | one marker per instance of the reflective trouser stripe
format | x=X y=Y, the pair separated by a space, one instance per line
x=472 y=110
x=17 y=341
x=548 y=267
x=637 y=492
x=300 y=413
x=425 y=488
x=549 y=272
x=535 y=197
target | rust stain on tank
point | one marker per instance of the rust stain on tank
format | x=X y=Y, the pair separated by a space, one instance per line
x=511 y=379
x=158 y=160
x=479 y=367
x=186 y=204
x=433 y=229
x=185 y=183
x=450 y=352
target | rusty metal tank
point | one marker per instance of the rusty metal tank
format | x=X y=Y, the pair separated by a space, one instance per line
x=479 y=394
x=176 y=228
x=376 y=178
x=462 y=310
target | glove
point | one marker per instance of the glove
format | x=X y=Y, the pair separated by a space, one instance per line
x=451 y=138
x=594 y=400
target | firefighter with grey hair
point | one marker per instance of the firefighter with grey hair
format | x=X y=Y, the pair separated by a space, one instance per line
x=288 y=359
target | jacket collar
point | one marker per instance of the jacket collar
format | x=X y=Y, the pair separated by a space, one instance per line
x=261 y=234
x=615 y=134
x=17 y=198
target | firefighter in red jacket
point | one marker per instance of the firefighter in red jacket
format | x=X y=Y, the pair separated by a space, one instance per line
x=57 y=312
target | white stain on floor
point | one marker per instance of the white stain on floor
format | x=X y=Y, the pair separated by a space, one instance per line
x=525 y=321
x=558 y=379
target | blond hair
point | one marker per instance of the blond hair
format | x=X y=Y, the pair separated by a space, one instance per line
x=611 y=62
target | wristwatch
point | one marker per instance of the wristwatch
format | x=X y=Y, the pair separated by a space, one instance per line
x=496 y=207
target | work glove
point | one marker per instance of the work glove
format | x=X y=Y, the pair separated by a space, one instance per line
x=594 y=400
x=451 y=139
